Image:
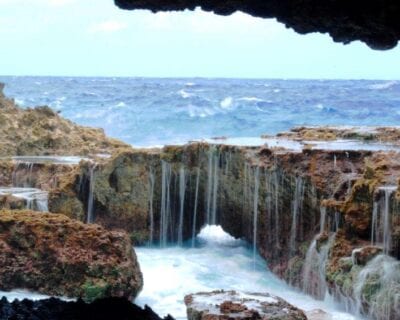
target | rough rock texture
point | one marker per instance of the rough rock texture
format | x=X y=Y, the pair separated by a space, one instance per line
x=220 y=305
x=52 y=254
x=55 y=309
x=41 y=131
x=374 y=22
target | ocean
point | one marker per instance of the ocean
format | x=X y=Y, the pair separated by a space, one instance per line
x=159 y=111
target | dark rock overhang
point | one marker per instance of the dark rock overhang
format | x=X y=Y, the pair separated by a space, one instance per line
x=375 y=22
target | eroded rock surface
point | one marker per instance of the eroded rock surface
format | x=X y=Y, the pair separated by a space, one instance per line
x=219 y=305
x=42 y=131
x=374 y=22
x=55 y=255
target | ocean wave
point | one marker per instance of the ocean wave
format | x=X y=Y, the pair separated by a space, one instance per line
x=190 y=84
x=276 y=90
x=383 y=86
x=250 y=99
x=184 y=94
x=198 y=112
x=226 y=103
x=20 y=102
x=120 y=104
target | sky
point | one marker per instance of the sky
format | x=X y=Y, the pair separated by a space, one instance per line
x=95 y=38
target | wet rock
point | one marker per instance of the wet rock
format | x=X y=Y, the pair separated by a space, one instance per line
x=55 y=255
x=221 y=304
x=361 y=256
x=55 y=309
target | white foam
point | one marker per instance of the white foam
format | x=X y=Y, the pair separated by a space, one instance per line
x=171 y=273
x=383 y=86
x=226 y=103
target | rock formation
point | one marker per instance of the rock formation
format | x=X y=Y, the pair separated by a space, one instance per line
x=54 y=255
x=220 y=305
x=41 y=131
x=319 y=204
x=55 y=309
x=374 y=22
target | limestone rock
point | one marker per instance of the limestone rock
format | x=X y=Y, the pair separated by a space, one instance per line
x=55 y=255
x=42 y=131
x=221 y=305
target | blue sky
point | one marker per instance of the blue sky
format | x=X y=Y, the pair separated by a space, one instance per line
x=95 y=38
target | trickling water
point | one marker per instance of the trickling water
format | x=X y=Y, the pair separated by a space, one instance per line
x=374 y=223
x=322 y=210
x=36 y=199
x=182 y=187
x=196 y=196
x=89 y=218
x=334 y=161
x=165 y=202
x=314 y=270
x=276 y=198
x=215 y=189
x=297 y=206
x=255 y=209
x=378 y=285
x=381 y=219
x=151 y=198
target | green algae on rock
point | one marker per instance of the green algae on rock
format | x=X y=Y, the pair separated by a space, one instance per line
x=55 y=255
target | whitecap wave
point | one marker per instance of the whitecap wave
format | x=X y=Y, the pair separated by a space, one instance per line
x=226 y=103
x=251 y=99
x=190 y=84
x=184 y=94
x=121 y=104
x=383 y=86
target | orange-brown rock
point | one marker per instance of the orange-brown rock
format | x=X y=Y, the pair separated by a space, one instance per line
x=55 y=255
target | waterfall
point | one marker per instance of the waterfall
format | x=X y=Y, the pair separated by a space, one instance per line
x=182 y=185
x=26 y=181
x=381 y=219
x=322 y=210
x=212 y=185
x=35 y=199
x=276 y=205
x=165 y=211
x=151 y=198
x=296 y=211
x=195 y=206
x=90 y=218
x=314 y=270
x=255 y=210
x=377 y=285
x=374 y=223
x=268 y=201
x=334 y=162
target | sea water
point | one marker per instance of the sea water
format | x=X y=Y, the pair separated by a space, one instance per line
x=152 y=111
x=218 y=261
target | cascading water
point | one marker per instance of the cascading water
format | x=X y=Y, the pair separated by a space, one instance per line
x=165 y=212
x=314 y=270
x=35 y=199
x=255 y=209
x=212 y=184
x=381 y=219
x=182 y=187
x=322 y=219
x=89 y=215
x=196 y=198
x=151 y=199
x=297 y=206
x=377 y=286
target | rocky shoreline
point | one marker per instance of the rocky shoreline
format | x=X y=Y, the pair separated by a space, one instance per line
x=319 y=204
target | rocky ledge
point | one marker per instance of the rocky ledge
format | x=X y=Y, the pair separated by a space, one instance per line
x=55 y=255
x=220 y=305
x=374 y=22
x=55 y=309
x=42 y=131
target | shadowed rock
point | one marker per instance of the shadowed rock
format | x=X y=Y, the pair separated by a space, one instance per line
x=374 y=22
